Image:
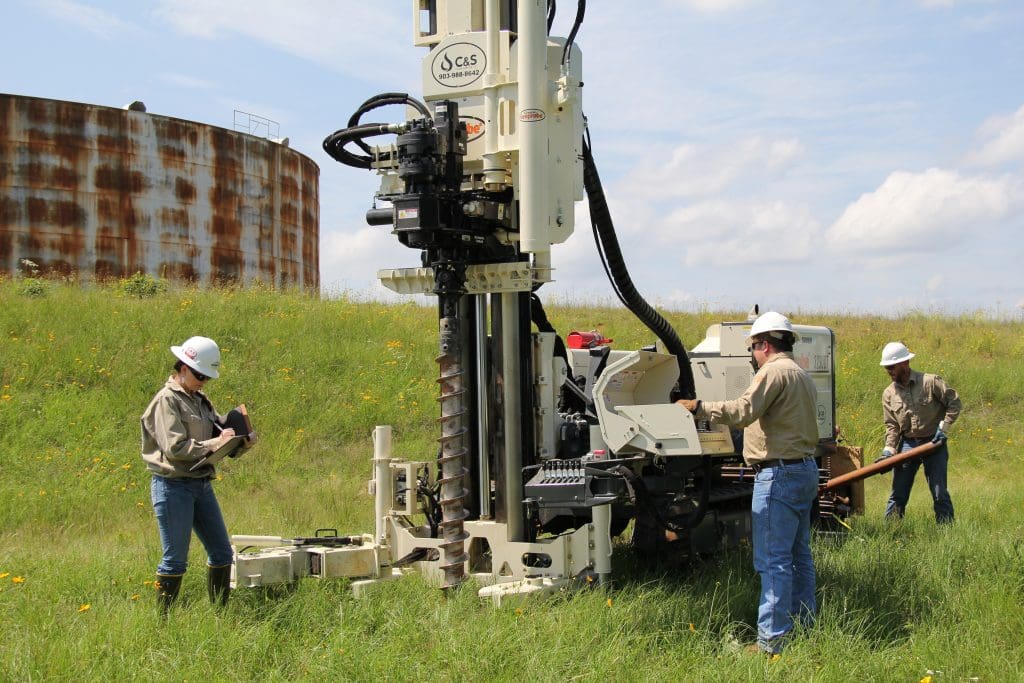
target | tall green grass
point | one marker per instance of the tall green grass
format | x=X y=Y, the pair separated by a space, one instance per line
x=78 y=540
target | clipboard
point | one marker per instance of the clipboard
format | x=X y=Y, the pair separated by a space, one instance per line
x=237 y=419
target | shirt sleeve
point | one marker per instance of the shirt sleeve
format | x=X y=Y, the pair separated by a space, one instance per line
x=947 y=396
x=743 y=411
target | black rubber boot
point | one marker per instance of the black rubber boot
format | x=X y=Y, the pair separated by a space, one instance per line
x=218 y=584
x=167 y=588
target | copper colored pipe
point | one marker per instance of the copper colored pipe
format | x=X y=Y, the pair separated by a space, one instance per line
x=881 y=466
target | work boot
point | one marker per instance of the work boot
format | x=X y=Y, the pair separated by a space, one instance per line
x=167 y=587
x=218 y=584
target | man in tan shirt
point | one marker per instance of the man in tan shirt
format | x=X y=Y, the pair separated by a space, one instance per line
x=918 y=408
x=781 y=432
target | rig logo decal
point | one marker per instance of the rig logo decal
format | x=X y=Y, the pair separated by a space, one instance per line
x=531 y=115
x=474 y=127
x=458 y=65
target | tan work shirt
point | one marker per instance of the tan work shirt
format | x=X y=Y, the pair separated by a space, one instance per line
x=177 y=430
x=778 y=411
x=915 y=410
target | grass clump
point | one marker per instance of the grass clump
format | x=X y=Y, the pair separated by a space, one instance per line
x=142 y=285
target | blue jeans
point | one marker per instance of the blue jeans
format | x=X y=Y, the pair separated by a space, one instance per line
x=783 y=497
x=935 y=465
x=182 y=505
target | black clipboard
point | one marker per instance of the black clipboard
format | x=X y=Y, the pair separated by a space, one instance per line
x=237 y=419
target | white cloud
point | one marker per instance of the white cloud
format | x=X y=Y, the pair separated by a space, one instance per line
x=694 y=171
x=352 y=258
x=1004 y=143
x=714 y=6
x=926 y=211
x=96 y=21
x=929 y=4
x=728 y=234
x=344 y=36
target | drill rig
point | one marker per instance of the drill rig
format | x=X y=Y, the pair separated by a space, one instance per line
x=545 y=452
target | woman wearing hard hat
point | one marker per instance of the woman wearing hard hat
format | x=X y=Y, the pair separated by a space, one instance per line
x=178 y=430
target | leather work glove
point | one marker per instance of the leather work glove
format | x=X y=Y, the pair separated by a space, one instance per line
x=940 y=433
x=690 y=404
x=886 y=453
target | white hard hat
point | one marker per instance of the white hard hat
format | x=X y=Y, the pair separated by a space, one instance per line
x=771 y=322
x=199 y=353
x=895 y=352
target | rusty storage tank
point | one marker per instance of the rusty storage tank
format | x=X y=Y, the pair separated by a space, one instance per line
x=95 y=192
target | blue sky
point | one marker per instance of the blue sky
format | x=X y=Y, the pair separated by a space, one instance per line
x=843 y=156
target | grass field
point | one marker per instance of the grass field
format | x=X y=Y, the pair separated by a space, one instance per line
x=78 y=542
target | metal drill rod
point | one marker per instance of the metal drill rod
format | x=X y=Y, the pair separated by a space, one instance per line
x=483 y=410
x=880 y=466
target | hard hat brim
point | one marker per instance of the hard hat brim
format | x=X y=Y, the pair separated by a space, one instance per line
x=896 y=361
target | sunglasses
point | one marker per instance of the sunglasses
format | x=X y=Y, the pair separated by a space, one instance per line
x=198 y=375
x=757 y=346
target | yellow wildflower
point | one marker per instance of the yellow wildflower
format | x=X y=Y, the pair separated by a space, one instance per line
x=693 y=629
x=85 y=607
x=135 y=596
x=5 y=575
x=609 y=602
x=18 y=579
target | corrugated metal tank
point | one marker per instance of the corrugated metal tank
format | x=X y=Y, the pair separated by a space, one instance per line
x=98 y=192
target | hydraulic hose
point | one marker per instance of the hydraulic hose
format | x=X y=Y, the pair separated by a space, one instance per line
x=335 y=142
x=385 y=99
x=581 y=10
x=355 y=132
x=618 y=275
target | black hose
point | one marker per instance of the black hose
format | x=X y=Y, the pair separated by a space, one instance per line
x=334 y=143
x=552 y=8
x=385 y=99
x=618 y=275
x=581 y=9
